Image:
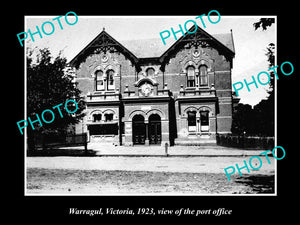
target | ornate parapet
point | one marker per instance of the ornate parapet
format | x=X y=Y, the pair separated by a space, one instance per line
x=146 y=88
x=196 y=91
x=101 y=97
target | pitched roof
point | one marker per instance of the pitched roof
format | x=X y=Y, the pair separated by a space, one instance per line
x=223 y=41
x=226 y=39
x=153 y=47
x=101 y=41
x=146 y=48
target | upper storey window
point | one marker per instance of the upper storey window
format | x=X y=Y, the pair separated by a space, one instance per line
x=99 y=80
x=191 y=76
x=104 y=83
x=110 y=80
x=203 y=76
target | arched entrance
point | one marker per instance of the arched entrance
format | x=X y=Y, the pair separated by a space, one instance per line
x=154 y=129
x=138 y=130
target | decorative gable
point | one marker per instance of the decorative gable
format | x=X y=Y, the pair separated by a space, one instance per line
x=104 y=62
x=103 y=43
x=198 y=40
x=196 y=57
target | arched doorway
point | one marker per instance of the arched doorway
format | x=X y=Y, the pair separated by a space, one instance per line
x=138 y=130
x=154 y=129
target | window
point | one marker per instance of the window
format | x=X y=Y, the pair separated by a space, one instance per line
x=192 y=121
x=103 y=129
x=109 y=117
x=203 y=76
x=102 y=83
x=110 y=80
x=109 y=129
x=99 y=80
x=150 y=72
x=97 y=117
x=204 y=119
x=190 y=76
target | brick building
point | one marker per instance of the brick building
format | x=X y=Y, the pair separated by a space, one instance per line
x=143 y=92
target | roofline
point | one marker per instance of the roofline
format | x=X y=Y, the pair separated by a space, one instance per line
x=192 y=28
x=160 y=58
x=73 y=60
x=232 y=40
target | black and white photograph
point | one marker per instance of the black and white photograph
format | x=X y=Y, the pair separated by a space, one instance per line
x=156 y=111
x=144 y=107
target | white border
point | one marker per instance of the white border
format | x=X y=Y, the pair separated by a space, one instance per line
x=165 y=194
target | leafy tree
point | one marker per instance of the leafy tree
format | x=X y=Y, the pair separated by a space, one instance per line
x=271 y=60
x=264 y=23
x=264 y=112
x=243 y=120
x=259 y=120
x=48 y=84
x=265 y=108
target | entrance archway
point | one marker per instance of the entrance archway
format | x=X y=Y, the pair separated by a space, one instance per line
x=154 y=129
x=138 y=130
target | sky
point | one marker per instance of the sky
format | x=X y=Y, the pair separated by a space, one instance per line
x=250 y=45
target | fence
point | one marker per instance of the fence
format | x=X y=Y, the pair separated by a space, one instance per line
x=51 y=141
x=245 y=141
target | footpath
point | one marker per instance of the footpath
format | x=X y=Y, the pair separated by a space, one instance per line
x=173 y=151
x=191 y=159
x=101 y=150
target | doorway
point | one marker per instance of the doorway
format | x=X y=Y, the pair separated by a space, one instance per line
x=138 y=130
x=154 y=129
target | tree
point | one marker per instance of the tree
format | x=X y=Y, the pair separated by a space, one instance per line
x=243 y=120
x=48 y=84
x=265 y=108
x=271 y=60
x=264 y=23
x=259 y=120
x=264 y=112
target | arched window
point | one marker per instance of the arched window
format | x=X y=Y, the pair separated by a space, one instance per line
x=204 y=118
x=150 y=72
x=203 y=76
x=191 y=121
x=109 y=117
x=97 y=117
x=99 y=80
x=190 y=76
x=110 y=80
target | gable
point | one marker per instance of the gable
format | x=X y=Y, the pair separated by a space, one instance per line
x=153 y=48
x=223 y=43
x=102 y=43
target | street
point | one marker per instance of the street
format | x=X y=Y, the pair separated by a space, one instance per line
x=120 y=175
x=154 y=164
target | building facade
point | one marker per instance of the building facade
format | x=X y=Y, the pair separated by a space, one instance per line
x=141 y=92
